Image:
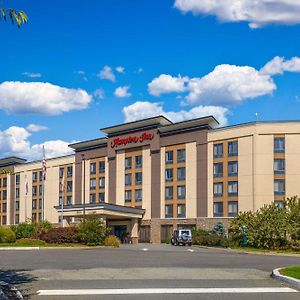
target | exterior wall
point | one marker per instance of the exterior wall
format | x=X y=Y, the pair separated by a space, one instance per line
x=147 y=182
x=120 y=178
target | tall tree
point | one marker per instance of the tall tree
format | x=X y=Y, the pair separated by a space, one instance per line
x=16 y=16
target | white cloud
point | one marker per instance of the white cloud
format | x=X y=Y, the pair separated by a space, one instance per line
x=122 y=91
x=41 y=98
x=14 y=141
x=82 y=74
x=167 y=84
x=107 y=73
x=229 y=84
x=143 y=109
x=32 y=75
x=257 y=13
x=99 y=93
x=278 y=65
x=120 y=69
x=36 y=128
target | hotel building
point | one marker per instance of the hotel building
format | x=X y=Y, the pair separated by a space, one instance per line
x=152 y=176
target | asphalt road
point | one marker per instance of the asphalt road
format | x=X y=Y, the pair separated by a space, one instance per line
x=146 y=270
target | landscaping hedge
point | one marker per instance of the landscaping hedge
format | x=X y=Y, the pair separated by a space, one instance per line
x=61 y=235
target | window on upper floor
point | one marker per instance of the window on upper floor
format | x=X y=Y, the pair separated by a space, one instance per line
x=218 y=209
x=232 y=188
x=102 y=182
x=92 y=183
x=69 y=186
x=101 y=166
x=279 y=145
x=232 y=208
x=34 y=191
x=128 y=179
x=101 y=197
x=169 y=175
x=4 y=195
x=92 y=198
x=181 y=155
x=17 y=179
x=138 y=178
x=279 y=187
x=168 y=192
x=218 y=189
x=169 y=211
x=34 y=177
x=128 y=196
x=138 y=195
x=17 y=193
x=232 y=168
x=181 y=211
x=92 y=168
x=218 y=150
x=218 y=170
x=180 y=174
x=61 y=172
x=69 y=200
x=69 y=171
x=181 y=192
x=233 y=148
x=169 y=157
x=279 y=166
x=138 y=162
x=128 y=163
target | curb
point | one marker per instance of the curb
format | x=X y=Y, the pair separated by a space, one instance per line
x=10 y=291
x=295 y=283
x=19 y=248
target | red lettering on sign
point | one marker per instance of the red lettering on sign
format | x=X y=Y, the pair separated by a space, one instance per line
x=132 y=139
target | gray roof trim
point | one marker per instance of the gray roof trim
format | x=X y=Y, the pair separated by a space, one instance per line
x=11 y=161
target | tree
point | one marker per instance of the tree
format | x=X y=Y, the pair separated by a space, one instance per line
x=16 y=16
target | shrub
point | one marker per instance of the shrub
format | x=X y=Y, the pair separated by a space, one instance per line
x=92 y=231
x=43 y=227
x=219 y=229
x=7 y=235
x=24 y=230
x=30 y=242
x=60 y=235
x=112 y=241
x=207 y=240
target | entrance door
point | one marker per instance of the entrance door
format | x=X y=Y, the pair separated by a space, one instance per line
x=120 y=231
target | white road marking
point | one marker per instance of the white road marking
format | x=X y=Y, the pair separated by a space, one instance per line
x=145 y=249
x=190 y=250
x=144 y=291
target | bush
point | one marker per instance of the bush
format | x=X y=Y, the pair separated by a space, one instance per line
x=7 y=235
x=208 y=240
x=60 y=235
x=43 y=227
x=30 y=242
x=92 y=231
x=112 y=241
x=24 y=230
x=219 y=229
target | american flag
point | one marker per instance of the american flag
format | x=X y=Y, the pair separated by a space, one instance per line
x=44 y=164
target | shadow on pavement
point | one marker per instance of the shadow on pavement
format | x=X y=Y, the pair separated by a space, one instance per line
x=21 y=280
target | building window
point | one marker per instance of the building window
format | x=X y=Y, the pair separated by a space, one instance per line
x=4 y=195
x=181 y=192
x=17 y=193
x=279 y=166
x=218 y=189
x=34 y=177
x=279 y=203
x=218 y=150
x=40 y=190
x=169 y=211
x=218 y=170
x=40 y=203
x=138 y=178
x=92 y=168
x=169 y=175
x=101 y=166
x=101 y=197
x=279 y=187
x=169 y=157
x=41 y=175
x=232 y=188
x=69 y=171
x=17 y=179
x=92 y=198
x=69 y=200
x=232 y=168
x=180 y=174
x=181 y=211
x=233 y=148
x=218 y=209
x=34 y=204
x=128 y=179
x=128 y=196
x=33 y=217
x=169 y=193
x=279 y=145
x=17 y=219
x=17 y=205
x=102 y=182
x=34 y=191
x=92 y=183
x=128 y=163
x=69 y=186
x=4 y=182
x=232 y=208
x=181 y=155
x=4 y=207
x=138 y=162
x=61 y=172
x=4 y=220
x=138 y=195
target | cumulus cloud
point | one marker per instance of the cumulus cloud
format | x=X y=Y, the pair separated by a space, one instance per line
x=257 y=13
x=278 y=65
x=144 y=109
x=36 y=128
x=99 y=93
x=41 y=98
x=122 y=91
x=14 y=141
x=32 y=75
x=167 y=84
x=229 y=84
x=120 y=69
x=107 y=73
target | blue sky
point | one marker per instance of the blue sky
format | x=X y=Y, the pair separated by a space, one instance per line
x=68 y=43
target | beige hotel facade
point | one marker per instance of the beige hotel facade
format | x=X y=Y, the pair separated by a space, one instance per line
x=149 y=177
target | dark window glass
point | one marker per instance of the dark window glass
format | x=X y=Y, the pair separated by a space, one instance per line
x=138 y=162
x=92 y=168
x=61 y=172
x=101 y=197
x=128 y=179
x=138 y=195
x=232 y=188
x=181 y=155
x=17 y=179
x=69 y=186
x=34 y=176
x=279 y=166
x=181 y=192
x=138 y=178
x=232 y=208
x=169 y=175
x=232 y=168
x=69 y=200
x=279 y=187
x=181 y=211
x=279 y=145
x=218 y=170
x=128 y=196
x=180 y=174
x=169 y=192
x=169 y=157
x=233 y=148
x=69 y=171
x=169 y=211
x=128 y=163
x=101 y=166
x=218 y=209
x=218 y=189
x=218 y=150
x=102 y=182
x=92 y=198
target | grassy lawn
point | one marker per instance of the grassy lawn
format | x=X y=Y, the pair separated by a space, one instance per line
x=257 y=250
x=293 y=271
x=36 y=244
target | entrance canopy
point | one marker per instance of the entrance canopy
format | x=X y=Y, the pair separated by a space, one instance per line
x=111 y=211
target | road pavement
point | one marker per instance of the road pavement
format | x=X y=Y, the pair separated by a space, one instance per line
x=145 y=271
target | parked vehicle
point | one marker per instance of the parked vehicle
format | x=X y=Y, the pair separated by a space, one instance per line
x=182 y=236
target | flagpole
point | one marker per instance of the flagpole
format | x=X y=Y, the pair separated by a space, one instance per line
x=43 y=183
x=26 y=192
x=43 y=193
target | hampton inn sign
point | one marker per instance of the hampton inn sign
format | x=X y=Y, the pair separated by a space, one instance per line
x=132 y=139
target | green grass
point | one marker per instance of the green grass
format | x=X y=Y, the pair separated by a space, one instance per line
x=293 y=271
x=258 y=250
x=34 y=244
